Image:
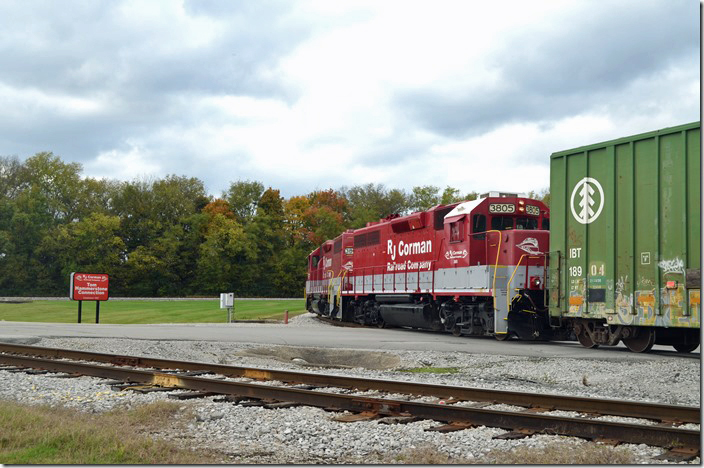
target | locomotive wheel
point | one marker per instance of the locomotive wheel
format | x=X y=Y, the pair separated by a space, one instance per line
x=586 y=340
x=641 y=343
x=381 y=324
x=502 y=336
x=685 y=348
x=456 y=331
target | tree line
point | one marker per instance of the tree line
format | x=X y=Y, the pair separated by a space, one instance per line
x=168 y=237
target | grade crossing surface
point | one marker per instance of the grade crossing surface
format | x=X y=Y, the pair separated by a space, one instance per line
x=328 y=337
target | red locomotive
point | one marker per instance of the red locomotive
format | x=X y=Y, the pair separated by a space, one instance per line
x=471 y=268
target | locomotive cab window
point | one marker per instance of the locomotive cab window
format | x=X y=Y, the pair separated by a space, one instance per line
x=546 y=224
x=479 y=225
x=526 y=223
x=501 y=223
x=314 y=261
x=456 y=231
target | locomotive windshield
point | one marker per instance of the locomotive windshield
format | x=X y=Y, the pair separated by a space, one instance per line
x=502 y=223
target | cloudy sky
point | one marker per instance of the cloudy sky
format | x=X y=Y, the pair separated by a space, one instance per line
x=305 y=95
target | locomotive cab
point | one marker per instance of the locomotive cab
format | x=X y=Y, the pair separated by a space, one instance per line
x=499 y=239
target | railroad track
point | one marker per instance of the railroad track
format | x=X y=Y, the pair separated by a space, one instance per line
x=461 y=407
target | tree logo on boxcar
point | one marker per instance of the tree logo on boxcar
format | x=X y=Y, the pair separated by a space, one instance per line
x=584 y=211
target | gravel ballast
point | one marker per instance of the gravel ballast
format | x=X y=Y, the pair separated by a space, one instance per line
x=310 y=435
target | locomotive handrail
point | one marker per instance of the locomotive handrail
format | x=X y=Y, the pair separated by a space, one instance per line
x=432 y=266
x=405 y=280
x=332 y=276
x=341 y=276
x=496 y=266
x=331 y=288
x=525 y=284
x=364 y=270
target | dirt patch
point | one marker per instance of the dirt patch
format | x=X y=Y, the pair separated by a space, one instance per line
x=320 y=357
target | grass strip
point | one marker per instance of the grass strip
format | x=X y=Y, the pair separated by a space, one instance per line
x=55 y=435
x=144 y=312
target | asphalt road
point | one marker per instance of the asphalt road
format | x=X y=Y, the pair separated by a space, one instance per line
x=328 y=337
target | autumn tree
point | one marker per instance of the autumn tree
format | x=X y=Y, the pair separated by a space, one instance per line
x=92 y=244
x=243 y=197
x=372 y=202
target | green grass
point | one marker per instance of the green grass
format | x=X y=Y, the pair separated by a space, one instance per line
x=432 y=370
x=148 y=311
x=47 y=435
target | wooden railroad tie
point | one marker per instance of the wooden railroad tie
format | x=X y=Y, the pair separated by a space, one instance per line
x=451 y=427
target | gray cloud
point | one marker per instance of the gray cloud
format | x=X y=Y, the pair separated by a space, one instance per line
x=91 y=51
x=156 y=88
x=583 y=63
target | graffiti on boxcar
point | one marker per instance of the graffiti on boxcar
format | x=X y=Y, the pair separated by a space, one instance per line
x=645 y=301
x=624 y=301
x=645 y=283
x=676 y=265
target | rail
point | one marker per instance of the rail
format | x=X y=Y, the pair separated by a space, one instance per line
x=625 y=408
x=659 y=435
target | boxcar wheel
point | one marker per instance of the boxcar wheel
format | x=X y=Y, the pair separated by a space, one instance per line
x=685 y=348
x=586 y=340
x=641 y=343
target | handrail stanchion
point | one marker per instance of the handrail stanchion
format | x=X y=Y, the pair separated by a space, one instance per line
x=432 y=265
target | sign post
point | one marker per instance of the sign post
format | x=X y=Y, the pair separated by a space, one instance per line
x=89 y=287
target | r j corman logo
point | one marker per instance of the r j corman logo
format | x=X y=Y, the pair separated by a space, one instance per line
x=94 y=278
x=589 y=197
x=453 y=254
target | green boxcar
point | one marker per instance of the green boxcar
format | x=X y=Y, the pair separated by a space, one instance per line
x=625 y=240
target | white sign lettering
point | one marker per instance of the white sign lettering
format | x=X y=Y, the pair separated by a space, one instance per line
x=403 y=249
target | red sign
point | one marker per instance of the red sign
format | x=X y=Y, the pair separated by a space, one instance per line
x=89 y=287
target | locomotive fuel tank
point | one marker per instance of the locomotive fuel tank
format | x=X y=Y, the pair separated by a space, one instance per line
x=422 y=315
